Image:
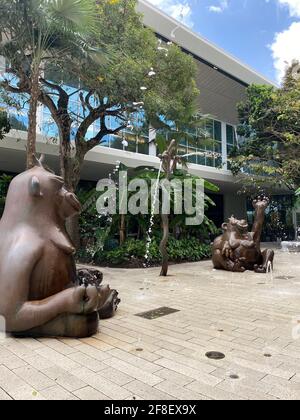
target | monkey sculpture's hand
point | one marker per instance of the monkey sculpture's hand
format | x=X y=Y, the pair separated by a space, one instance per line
x=261 y=203
x=227 y=251
x=82 y=300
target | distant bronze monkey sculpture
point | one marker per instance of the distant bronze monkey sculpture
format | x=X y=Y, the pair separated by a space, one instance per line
x=239 y=250
x=40 y=293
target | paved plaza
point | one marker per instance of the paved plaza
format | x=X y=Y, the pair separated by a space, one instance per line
x=253 y=319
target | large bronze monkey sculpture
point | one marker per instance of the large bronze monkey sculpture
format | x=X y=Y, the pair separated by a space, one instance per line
x=239 y=250
x=39 y=295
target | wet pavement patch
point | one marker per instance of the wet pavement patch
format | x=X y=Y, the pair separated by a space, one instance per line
x=157 y=313
x=215 y=355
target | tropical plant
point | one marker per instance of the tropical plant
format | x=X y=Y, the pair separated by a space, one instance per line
x=35 y=33
x=132 y=253
x=269 y=123
x=170 y=161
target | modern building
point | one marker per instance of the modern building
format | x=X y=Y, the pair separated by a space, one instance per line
x=221 y=79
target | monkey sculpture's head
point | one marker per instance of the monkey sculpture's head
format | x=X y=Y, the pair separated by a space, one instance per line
x=38 y=196
x=236 y=225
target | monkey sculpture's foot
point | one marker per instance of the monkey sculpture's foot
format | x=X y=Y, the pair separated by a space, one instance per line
x=110 y=306
x=260 y=269
x=95 y=277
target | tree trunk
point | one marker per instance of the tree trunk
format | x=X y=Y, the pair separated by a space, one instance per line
x=32 y=117
x=70 y=171
x=163 y=245
x=72 y=226
x=122 y=229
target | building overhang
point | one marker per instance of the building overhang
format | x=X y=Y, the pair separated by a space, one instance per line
x=202 y=49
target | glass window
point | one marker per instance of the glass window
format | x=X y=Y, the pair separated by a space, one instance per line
x=218 y=147
x=230 y=135
x=143 y=146
x=218 y=131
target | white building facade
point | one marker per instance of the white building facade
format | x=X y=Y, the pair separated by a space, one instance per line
x=222 y=81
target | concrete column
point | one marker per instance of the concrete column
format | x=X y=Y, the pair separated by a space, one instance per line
x=152 y=145
x=224 y=146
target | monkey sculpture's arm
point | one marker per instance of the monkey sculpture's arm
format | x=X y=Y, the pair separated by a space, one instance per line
x=260 y=206
x=21 y=314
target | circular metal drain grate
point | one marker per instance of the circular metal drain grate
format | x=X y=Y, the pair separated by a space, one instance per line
x=215 y=355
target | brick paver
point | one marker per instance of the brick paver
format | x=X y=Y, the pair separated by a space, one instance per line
x=253 y=319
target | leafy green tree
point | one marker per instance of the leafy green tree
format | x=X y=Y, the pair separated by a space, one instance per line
x=140 y=73
x=4 y=124
x=34 y=33
x=270 y=125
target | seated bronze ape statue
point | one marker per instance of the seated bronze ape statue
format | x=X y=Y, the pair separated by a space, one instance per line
x=239 y=250
x=40 y=293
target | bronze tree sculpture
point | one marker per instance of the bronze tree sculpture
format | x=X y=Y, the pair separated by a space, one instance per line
x=40 y=293
x=239 y=250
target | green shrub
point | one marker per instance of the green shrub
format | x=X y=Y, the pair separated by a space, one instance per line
x=133 y=252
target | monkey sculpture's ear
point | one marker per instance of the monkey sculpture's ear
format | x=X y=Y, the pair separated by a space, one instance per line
x=225 y=226
x=35 y=187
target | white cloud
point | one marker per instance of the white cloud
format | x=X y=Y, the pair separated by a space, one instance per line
x=179 y=10
x=223 y=5
x=286 y=48
x=293 y=5
x=215 y=9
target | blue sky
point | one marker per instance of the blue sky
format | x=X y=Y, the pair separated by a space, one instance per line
x=264 y=34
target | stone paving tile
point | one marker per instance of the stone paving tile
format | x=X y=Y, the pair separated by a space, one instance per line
x=116 y=376
x=57 y=393
x=4 y=395
x=87 y=361
x=107 y=387
x=187 y=371
x=39 y=362
x=134 y=358
x=34 y=378
x=90 y=394
x=214 y=393
x=174 y=377
x=16 y=387
x=244 y=391
x=57 y=358
x=135 y=372
x=58 y=346
x=178 y=392
x=146 y=392
x=187 y=361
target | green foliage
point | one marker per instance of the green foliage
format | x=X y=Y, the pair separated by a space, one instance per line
x=4 y=184
x=4 y=124
x=270 y=124
x=132 y=253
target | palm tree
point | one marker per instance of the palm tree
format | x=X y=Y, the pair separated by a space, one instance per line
x=35 y=32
